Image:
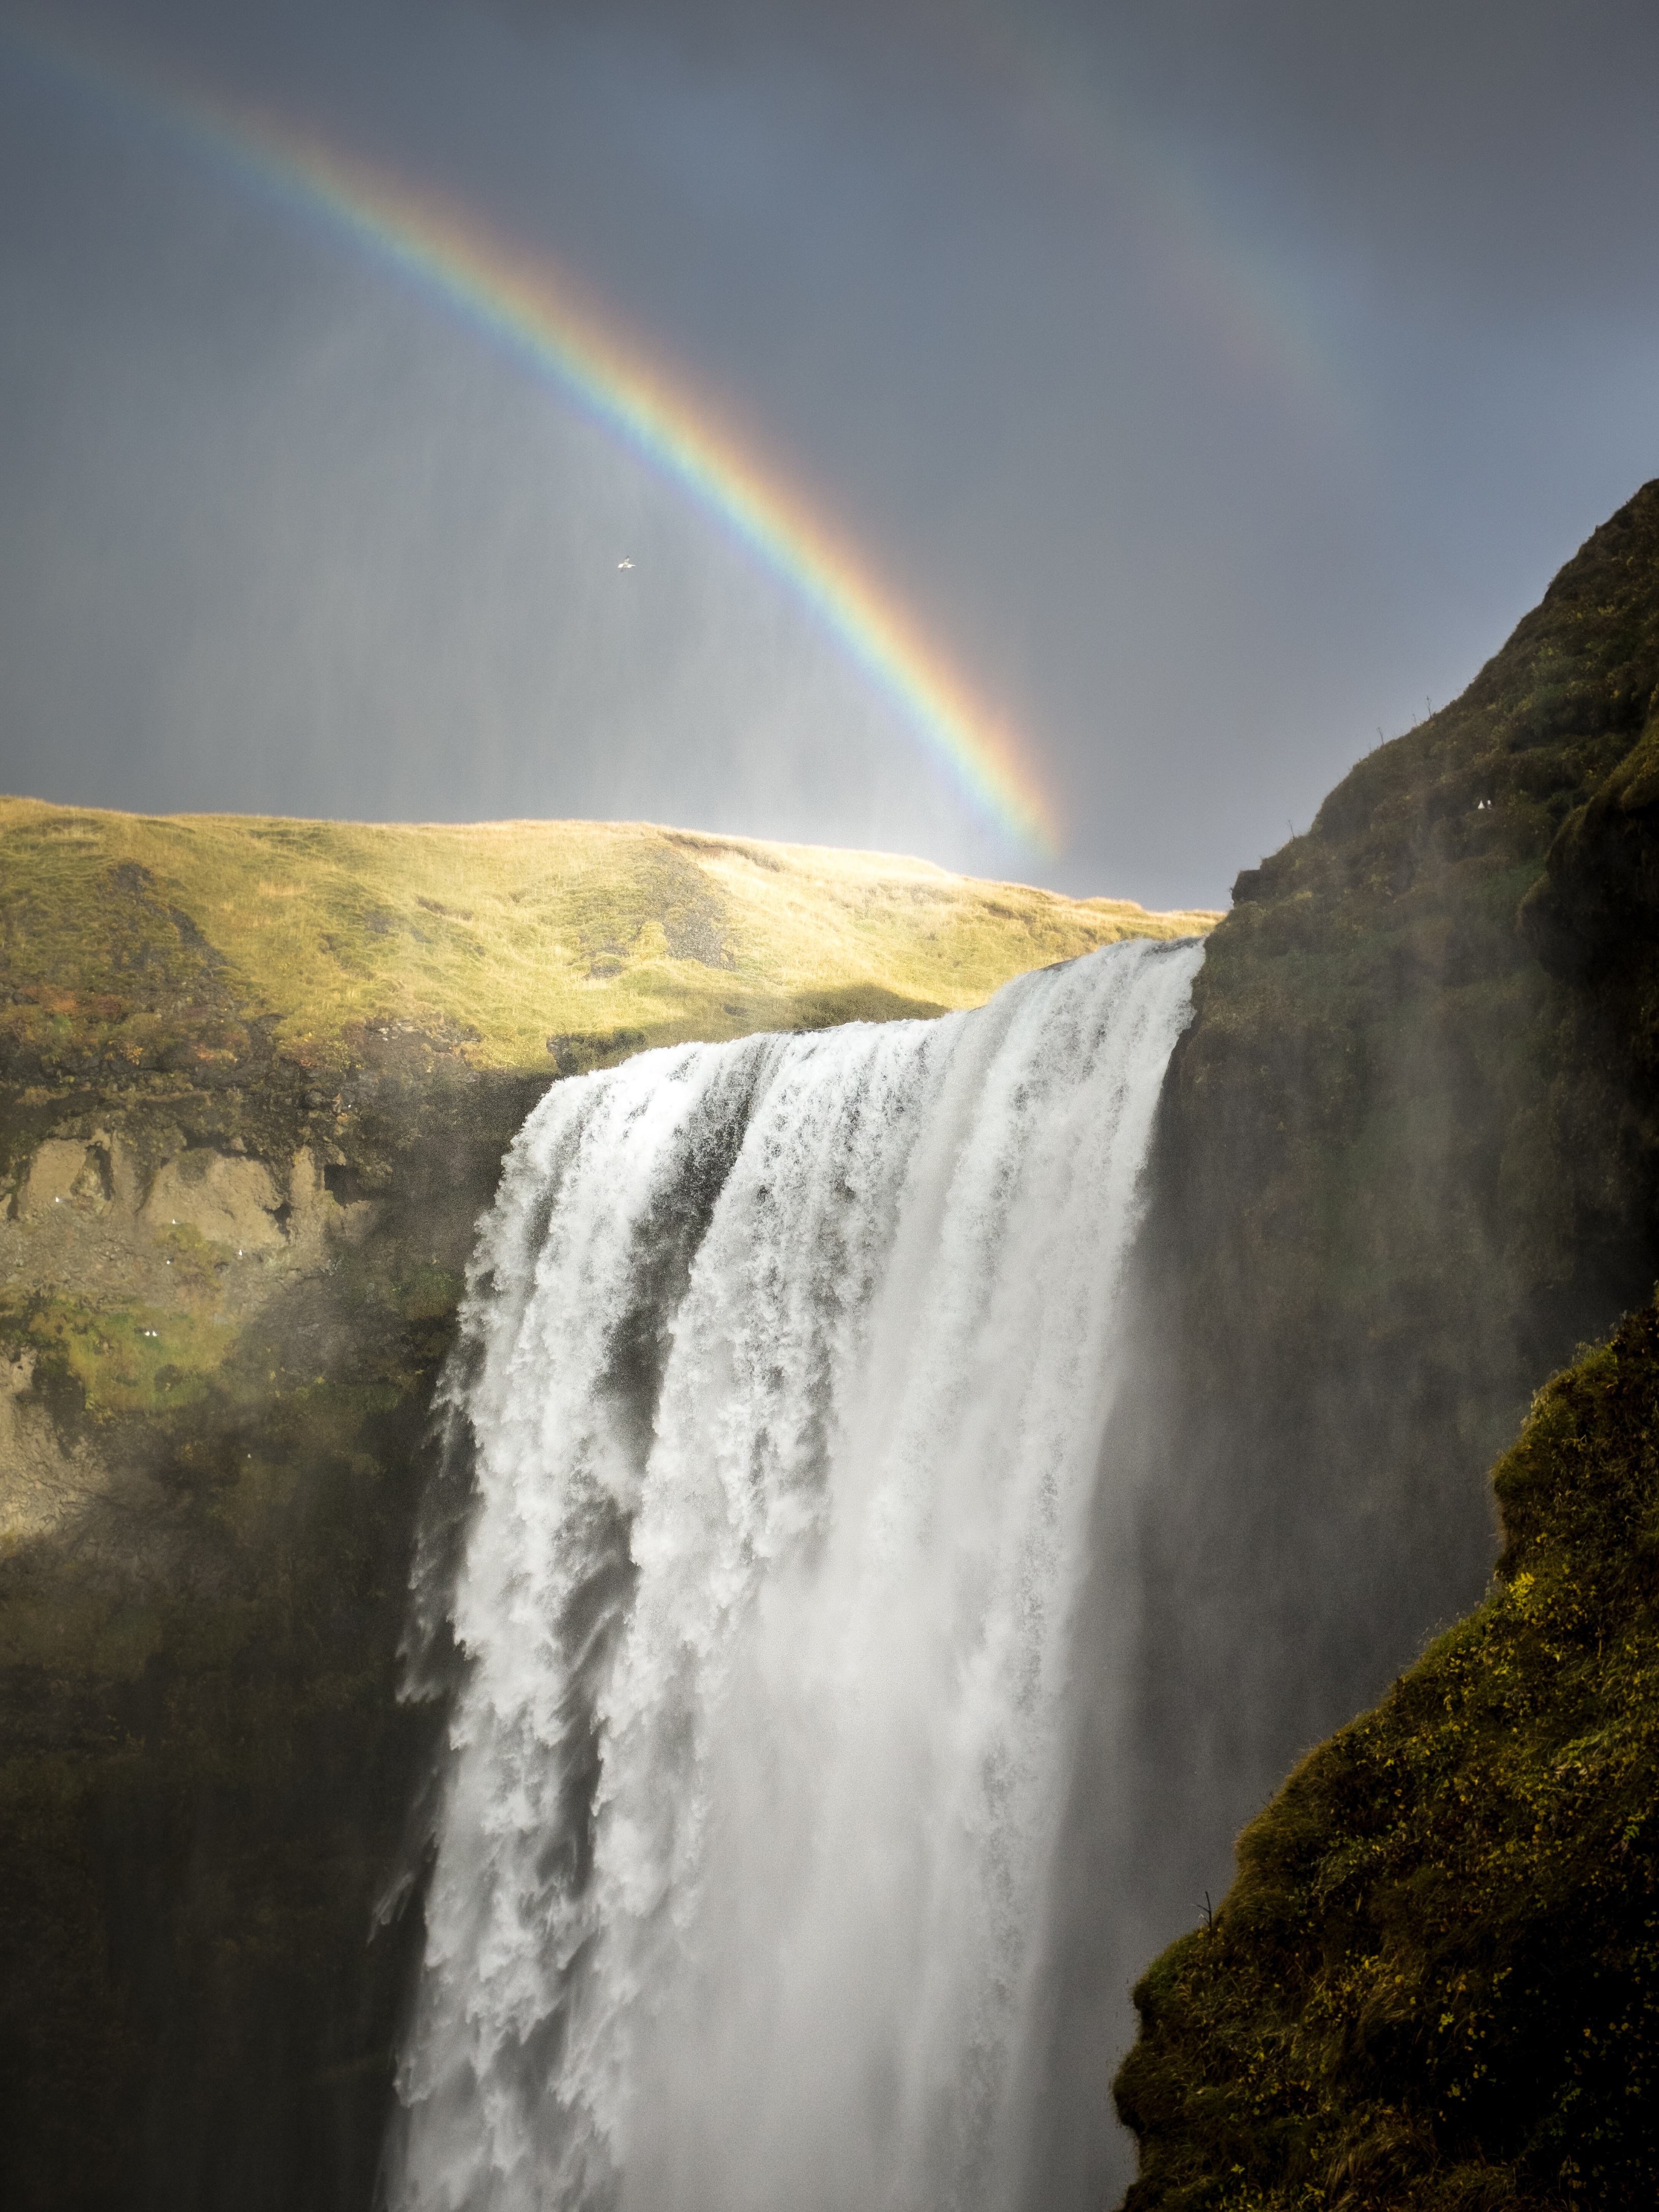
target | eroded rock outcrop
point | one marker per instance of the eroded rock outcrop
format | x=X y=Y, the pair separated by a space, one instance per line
x=220 y=1317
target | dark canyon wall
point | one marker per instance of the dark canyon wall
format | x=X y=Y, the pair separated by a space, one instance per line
x=1406 y=1167
x=213 y=1417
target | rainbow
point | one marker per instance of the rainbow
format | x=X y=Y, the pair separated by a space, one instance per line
x=522 y=302
x=1256 y=308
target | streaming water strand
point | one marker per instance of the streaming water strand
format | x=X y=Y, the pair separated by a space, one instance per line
x=786 y=1365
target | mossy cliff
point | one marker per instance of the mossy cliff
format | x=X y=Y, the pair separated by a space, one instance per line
x=256 y=1081
x=1408 y=1162
x=1435 y=1981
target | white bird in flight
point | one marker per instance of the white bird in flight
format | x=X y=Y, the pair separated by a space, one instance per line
x=624 y=564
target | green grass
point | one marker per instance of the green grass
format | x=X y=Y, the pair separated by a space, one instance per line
x=124 y=933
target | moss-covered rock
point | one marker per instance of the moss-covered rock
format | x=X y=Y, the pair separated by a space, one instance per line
x=1435 y=1981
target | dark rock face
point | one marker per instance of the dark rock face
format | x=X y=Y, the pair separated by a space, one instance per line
x=1407 y=1165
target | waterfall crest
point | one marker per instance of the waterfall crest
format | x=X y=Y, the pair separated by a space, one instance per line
x=786 y=1365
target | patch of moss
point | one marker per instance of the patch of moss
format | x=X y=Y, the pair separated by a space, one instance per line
x=1435 y=1981
x=119 y=1357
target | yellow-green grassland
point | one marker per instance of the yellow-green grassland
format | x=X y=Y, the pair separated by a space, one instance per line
x=494 y=938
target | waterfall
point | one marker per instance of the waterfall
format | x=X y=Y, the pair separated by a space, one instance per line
x=785 y=1367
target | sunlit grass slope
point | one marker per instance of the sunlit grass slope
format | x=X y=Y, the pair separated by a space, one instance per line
x=514 y=941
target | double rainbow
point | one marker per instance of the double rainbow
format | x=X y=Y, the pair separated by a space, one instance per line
x=522 y=302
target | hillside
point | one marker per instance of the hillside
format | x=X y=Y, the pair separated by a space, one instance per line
x=1436 y=1979
x=132 y=941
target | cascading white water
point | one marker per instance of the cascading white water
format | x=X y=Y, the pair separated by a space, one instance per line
x=786 y=1363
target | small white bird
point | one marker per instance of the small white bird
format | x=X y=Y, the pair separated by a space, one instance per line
x=624 y=564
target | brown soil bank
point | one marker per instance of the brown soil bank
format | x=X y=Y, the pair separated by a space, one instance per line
x=256 y=1081
x=1408 y=1165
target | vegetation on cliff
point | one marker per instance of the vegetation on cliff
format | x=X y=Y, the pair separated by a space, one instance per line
x=1435 y=1981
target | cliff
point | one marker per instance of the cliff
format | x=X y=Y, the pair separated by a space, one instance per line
x=1436 y=1979
x=256 y=1081
x=1408 y=1165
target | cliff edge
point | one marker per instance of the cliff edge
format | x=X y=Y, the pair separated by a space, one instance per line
x=1410 y=1162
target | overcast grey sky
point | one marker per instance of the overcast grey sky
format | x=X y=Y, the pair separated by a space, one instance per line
x=1215 y=383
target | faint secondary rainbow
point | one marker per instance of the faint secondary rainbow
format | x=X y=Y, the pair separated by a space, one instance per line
x=522 y=302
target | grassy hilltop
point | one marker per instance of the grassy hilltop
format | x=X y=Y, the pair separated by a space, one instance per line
x=530 y=945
